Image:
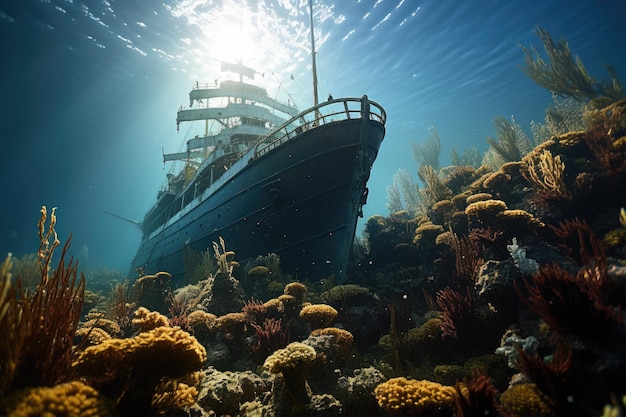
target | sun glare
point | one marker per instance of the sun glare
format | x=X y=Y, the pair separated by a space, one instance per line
x=240 y=31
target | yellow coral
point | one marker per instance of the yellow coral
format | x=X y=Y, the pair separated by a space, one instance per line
x=402 y=397
x=478 y=197
x=293 y=356
x=148 y=320
x=427 y=232
x=548 y=176
x=526 y=400
x=485 y=209
x=71 y=399
x=498 y=182
x=131 y=370
x=297 y=290
x=521 y=220
x=318 y=315
x=92 y=336
x=273 y=306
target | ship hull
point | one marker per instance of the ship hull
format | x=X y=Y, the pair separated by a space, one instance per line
x=300 y=200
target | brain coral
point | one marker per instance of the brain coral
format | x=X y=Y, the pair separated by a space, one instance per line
x=404 y=397
x=71 y=399
x=318 y=315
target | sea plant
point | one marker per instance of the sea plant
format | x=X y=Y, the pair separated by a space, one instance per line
x=564 y=74
x=37 y=328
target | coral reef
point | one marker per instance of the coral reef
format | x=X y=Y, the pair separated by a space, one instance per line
x=124 y=369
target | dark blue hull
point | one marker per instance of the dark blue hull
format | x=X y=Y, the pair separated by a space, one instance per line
x=300 y=200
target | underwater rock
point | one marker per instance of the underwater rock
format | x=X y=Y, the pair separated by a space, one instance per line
x=357 y=392
x=224 y=392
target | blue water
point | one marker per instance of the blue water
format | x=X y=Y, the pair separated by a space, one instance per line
x=90 y=89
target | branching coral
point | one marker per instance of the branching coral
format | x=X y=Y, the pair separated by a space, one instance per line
x=427 y=152
x=477 y=398
x=511 y=145
x=550 y=377
x=547 y=174
x=606 y=127
x=565 y=75
x=458 y=311
x=37 y=330
x=565 y=304
x=271 y=335
x=404 y=194
x=434 y=189
x=404 y=397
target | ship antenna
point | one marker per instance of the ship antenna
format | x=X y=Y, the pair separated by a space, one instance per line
x=313 y=64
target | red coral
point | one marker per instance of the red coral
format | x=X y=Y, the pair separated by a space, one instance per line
x=255 y=311
x=478 y=398
x=458 y=311
x=564 y=302
x=551 y=377
x=270 y=336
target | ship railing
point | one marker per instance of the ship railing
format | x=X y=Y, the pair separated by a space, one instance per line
x=331 y=111
x=217 y=84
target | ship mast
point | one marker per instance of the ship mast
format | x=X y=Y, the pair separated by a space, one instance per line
x=314 y=66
